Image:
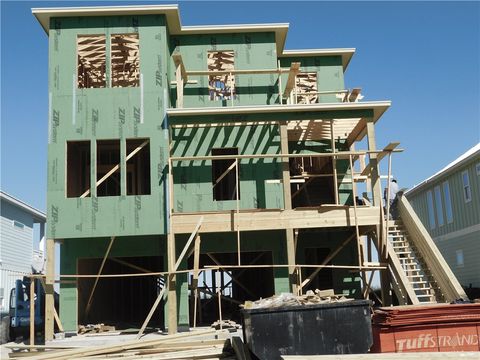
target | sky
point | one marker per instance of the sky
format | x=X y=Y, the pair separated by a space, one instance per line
x=423 y=56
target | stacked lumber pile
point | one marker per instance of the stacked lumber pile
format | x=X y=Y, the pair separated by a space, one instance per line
x=287 y=299
x=202 y=344
x=431 y=314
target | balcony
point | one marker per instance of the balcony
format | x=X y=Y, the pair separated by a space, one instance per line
x=219 y=83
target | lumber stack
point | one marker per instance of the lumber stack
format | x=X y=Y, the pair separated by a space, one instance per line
x=202 y=344
x=416 y=315
x=432 y=328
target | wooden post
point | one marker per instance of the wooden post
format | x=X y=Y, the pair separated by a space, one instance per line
x=237 y=201
x=179 y=79
x=377 y=201
x=287 y=196
x=172 y=286
x=32 y=310
x=334 y=162
x=196 y=265
x=49 y=281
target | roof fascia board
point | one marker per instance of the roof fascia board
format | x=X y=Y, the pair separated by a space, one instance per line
x=172 y=14
x=37 y=214
x=379 y=107
x=345 y=53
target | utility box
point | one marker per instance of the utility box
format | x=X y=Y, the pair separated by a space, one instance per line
x=320 y=329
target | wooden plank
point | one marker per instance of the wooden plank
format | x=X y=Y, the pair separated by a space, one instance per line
x=324 y=216
x=172 y=319
x=32 y=311
x=90 y=298
x=55 y=314
x=196 y=265
x=129 y=345
x=334 y=161
x=292 y=74
x=49 y=291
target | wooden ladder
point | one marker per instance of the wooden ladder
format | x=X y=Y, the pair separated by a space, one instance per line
x=412 y=265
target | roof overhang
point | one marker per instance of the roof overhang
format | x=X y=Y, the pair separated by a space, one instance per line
x=172 y=15
x=175 y=27
x=378 y=108
x=305 y=122
x=37 y=215
x=346 y=54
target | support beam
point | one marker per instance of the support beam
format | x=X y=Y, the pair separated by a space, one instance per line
x=55 y=314
x=196 y=272
x=334 y=162
x=90 y=298
x=287 y=198
x=178 y=61
x=32 y=310
x=172 y=286
x=49 y=281
x=179 y=77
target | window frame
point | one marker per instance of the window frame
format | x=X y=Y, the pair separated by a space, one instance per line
x=431 y=210
x=448 y=202
x=438 y=206
x=459 y=255
x=107 y=78
x=466 y=186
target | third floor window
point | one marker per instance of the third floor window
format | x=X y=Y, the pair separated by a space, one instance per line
x=92 y=60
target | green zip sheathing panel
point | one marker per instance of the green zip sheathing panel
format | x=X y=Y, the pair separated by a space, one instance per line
x=71 y=250
x=107 y=113
x=253 y=51
x=329 y=72
x=193 y=190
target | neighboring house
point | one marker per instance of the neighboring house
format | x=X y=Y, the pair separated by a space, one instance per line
x=17 y=250
x=448 y=203
x=159 y=132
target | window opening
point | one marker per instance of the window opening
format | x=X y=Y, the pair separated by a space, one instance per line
x=138 y=167
x=78 y=168
x=438 y=206
x=431 y=214
x=448 y=202
x=108 y=158
x=467 y=191
x=224 y=179
x=459 y=256
x=221 y=86
x=91 y=57
x=125 y=60
x=306 y=88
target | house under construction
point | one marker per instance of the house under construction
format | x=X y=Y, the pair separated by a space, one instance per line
x=192 y=168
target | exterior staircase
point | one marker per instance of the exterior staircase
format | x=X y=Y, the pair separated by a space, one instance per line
x=419 y=272
x=416 y=272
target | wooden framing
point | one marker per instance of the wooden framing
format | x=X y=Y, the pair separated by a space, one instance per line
x=90 y=298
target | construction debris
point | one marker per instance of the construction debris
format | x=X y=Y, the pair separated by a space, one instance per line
x=95 y=328
x=225 y=324
x=288 y=299
x=200 y=344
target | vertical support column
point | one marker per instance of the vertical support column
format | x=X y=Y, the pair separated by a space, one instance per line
x=196 y=265
x=334 y=162
x=377 y=201
x=287 y=198
x=172 y=286
x=179 y=79
x=32 y=310
x=49 y=281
